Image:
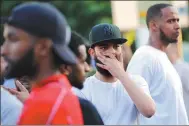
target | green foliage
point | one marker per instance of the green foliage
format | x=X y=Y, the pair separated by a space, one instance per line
x=185 y=34
x=81 y=15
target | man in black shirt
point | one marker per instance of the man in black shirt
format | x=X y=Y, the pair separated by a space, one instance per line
x=76 y=75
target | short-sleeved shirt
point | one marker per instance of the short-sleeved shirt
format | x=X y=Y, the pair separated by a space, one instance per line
x=164 y=85
x=39 y=107
x=112 y=100
x=11 y=108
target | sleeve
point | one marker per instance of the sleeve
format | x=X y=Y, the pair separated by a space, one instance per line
x=141 y=83
x=90 y=113
x=142 y=64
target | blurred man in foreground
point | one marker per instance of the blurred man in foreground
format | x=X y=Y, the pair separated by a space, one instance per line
x=76 y=75
x=36 y=47
x=182 y=68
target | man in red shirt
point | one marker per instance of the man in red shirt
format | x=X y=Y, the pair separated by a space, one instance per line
x=36 y=38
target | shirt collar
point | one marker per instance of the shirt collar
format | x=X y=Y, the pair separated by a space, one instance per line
x=53 y=78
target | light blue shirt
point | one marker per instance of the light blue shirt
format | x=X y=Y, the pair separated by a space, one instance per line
x=9 y=83
x=11 y=108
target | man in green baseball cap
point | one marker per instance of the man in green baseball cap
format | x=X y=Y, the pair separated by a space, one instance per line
x=104 y=33
x=118 y=96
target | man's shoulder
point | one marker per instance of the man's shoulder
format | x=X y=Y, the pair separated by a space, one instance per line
x=148 y=51
x=90 y=80
x=51 y=86
x=90 y=113
x=48 y=93
x=143 y=58
x=85 y=103
x=143 y=49
x=92 y=83
x=144 y=54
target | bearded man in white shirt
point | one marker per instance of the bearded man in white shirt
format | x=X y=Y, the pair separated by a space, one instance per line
x=118 y=96
x=152 y=63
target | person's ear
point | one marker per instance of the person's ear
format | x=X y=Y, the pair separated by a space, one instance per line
x=87 y=67
x=153 y=25
x=43 y=47
x=65 y=69
x=91 y=51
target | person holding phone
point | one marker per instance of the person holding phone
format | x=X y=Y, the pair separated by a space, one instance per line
x=36 y=47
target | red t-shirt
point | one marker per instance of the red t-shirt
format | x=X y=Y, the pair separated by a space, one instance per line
x=40 y=104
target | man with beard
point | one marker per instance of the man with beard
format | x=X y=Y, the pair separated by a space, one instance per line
x=152 y=63
x=11 y=107
x=36 y=38
x=117 y=98
x=76 y=75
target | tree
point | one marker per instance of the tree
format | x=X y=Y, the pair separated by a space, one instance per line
x=81 y=15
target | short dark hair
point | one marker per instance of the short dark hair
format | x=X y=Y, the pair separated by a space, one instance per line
x=88 y=60
x=75 y=42
x=155 y=11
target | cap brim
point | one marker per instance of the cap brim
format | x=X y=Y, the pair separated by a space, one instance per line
x=64 y=52
x=117 y=41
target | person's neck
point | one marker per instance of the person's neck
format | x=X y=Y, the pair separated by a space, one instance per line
x=44 y=72
x=103 y=78
x=157 y=43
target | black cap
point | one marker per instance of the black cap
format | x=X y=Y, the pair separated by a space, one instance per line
x=44 y=20
x=105 y=33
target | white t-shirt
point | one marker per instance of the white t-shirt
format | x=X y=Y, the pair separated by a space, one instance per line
x=164 y=85
x=11 y=108
x=112 y=100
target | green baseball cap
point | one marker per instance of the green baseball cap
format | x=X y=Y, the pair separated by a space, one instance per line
x=105 y=32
